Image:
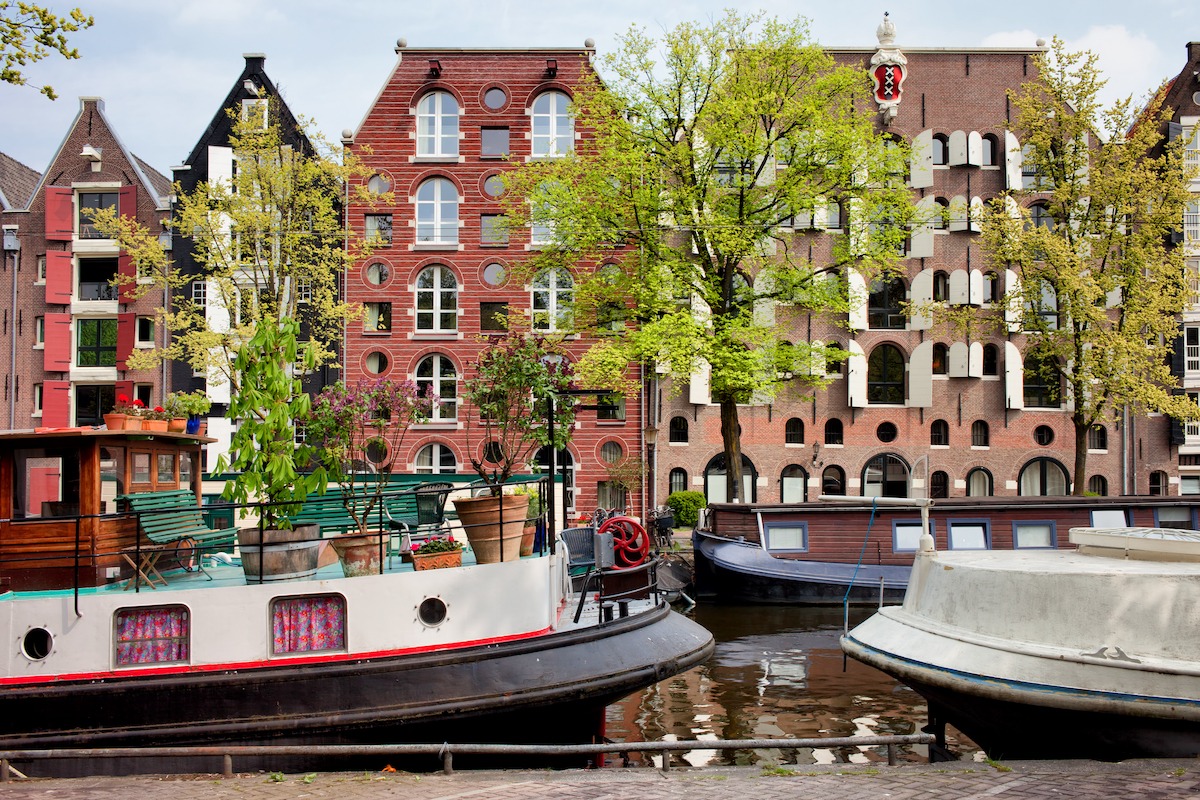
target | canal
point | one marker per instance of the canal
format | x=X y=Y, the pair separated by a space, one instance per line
x=777 y=672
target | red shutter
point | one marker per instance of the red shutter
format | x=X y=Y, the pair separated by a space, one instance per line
x=127 y=202
x=121 y=388
x=57 y=354
x=128 y=285
x=126 y=330
x=56 y=404
x=60 y=273
x=60 y=214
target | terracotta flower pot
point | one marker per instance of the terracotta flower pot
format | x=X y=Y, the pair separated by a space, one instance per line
x=358 y=552
x=133 y=423
x=450 y=558
x=155 y=425
x=527 y=536
x=177 y=425
x=481 y=519
x=115 y=422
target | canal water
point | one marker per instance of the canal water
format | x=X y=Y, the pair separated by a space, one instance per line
x=778 y=672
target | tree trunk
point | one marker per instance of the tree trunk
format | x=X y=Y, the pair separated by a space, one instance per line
x=1079 y=481
x=733 y=450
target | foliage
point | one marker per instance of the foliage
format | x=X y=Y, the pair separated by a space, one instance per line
x=627 y=473
x=29 y=33
x=535 y=499
x=437 y=545
x=189 y=404
x=349 y=427
x=1100 y=289
x=124 y=405
x=686 y=506
x=682 y=193
x=158 y=412
x=507 y=390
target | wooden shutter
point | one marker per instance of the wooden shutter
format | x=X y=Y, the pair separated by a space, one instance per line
x=921 y=295
x=60 y=214
x=857 y=287
x=57 y=353
x=1012 y=162
x=1014 y=377
x=127 y=202
x=856 y=376
x=959 y=353
x=60 y=274
x=126 y=332
x=958 y=149
x=921 y=161
x=56 y=404
x=128 y=274
x=920 y=376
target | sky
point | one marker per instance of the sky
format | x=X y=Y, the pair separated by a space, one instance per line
x=164 y=67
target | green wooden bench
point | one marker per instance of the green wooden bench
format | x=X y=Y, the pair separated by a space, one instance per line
x=416 y=513
x=173 y=522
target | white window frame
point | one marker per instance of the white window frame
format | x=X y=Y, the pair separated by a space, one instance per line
x=437 y=212
x=428 y=460
x=443 y=375
x=551 y=300
x=437 y=125
x=434 y=291
x=553 y=128
x=138 y=340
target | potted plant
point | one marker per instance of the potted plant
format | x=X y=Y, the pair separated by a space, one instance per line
x=509 y=391
x=126 y=414
x=193 y=406
x=532 y=515
x=176 y=416
x=437 y=553
x=156 y=419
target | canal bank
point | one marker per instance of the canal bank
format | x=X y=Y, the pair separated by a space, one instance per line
x=1075 y=779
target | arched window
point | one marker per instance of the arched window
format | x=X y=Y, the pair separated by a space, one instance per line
x=437 y=212
x=1041 y=313
x=939 y=433
x=435 y=459
x=678 y=430
x=941 y=359
x=941 y=149
x=885 y=375
x=437 y=125
x=991 y=359
x=553 y=128
x=884 y=304
x=939 y=485
x=833 y=364
x=677 y=481
x=833 y=481
x=793 y=484
x=1158 y=483
x=979 y=483
x=1043 y=477
x=941 y=218
x=716 y=482
x=436 y=377
x=1097 y=438
x=553 y=290
x=992 y=289
x=437 y=299
x=1098 y=485
x=885 y=475
x=989 y=150
x=833 y=431
x=980 y=435
x=1039 y=216
x=1041 y=382
x=941 y=286
x=793 y=431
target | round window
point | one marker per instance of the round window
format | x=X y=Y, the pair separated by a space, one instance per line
x=493 y=274
x=377 y=363
x=432 y=611
x=493 y=186
x=611 y=452
x=37 y=644
x=495 y=98
x=379 y=184
x=1043 y=435
x=376 y=451
x=378 y=274
x=886 y=432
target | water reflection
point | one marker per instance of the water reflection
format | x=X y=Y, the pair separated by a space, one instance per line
x=777 y=672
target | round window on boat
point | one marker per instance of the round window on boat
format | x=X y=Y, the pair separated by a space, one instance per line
x=886 y=432
x=1043 y=435
x=37 y=644
x=432 y=611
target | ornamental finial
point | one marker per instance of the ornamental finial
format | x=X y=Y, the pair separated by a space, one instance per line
x=886 y=32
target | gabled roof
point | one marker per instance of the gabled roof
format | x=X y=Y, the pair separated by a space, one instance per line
x=160 y=182
x=17 y=183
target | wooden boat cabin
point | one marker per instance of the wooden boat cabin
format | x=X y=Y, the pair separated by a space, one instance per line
x=61 y=526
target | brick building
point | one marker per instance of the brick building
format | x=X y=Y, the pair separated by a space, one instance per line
x=70 y=331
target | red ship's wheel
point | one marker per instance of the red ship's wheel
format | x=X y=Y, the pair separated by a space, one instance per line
x=631 y=545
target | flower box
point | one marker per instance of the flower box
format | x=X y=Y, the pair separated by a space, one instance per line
x=450 y=558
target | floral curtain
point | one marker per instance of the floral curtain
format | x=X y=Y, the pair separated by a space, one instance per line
x=305 y=624
x=152 y=635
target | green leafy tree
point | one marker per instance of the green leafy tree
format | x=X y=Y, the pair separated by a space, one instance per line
x=674 y=210
x=1099 y=288
x=29 y=33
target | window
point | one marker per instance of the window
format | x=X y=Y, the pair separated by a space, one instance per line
x=1180 y=517
x=1098 y=485
x=887 y=432
x=833 y=216
x=145 y=330
x=833 y=481
x=716 y=480
x=304 y=290
x=991 y=359
x=833 y=364
x=941 y=149
x=493 y=316
x=493 y=231
x=152 y=635
x=793 y=431
x=436 y=377
x=39 y=331
x=254 y=111
x=435 y=459
x=991 y=287
x=437 y=212
x=96 y=276
x=92 y=402
x=96 y=343
x=677 y=481
x=1158 y=483
x=610 y=494
x=38 y=399
x=378 y=274
x=437 y=299
x=379 y=228
x=884 y=305
x=378 y=317
x=988 y=150
x=41 y=270
x=1097 y=438
x=1034 y=533
x=678 y=430
x=941 y=286
x=968 y=534
x=1041 y=383
x=1043 y=435
x=493 y=186
x=1039 y=217
x=939 y=433
x=200 y=293
x=379 y=184
x=885 y=475
x=610 y=408
x=377 y=362
x=980 y=435
x=437 y=125
x=552 y=293
x=308 y=624
x=493 y=143
x=941 y=359
x=1043 y=477
x=494 y=275
x=790 y=537
x=553 y=128
x=939 y=485
x=885 y=375
x=611 y=452
x=793 y=484
x=941 y=215
x=906 y=534
x=979 y=483
x=833 y=431
x=495 y=98
x=90 y=203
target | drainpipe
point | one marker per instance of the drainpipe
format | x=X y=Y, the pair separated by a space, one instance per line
x=12 y=360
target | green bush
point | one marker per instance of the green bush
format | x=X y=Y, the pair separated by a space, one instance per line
x=686 y=506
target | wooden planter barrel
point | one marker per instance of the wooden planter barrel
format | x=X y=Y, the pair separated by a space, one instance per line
x=279 y=555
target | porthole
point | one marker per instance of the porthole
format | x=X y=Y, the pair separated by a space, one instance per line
x=37 y=644
x=493 y=186
x=377 y=363
x=494 y=274
x=495 y=98
x=378 y=273
x=1043 y=435
x=379 y=184
x=432 y=612
x=886 y=432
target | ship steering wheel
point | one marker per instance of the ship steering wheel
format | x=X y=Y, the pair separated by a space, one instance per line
x=631 y=545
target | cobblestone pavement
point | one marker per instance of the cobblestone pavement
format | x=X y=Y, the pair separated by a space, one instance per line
x=1147 y=780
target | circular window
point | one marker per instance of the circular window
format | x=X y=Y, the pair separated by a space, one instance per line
x=378 y=274
x=432 y=611
x=492 y=454
x=493 y=186
x=376 y=451
x=377 y=363
x=494 y=274
x=1043 y=435
x=611 y=452
x=495 y=98
x=886 y=432
x=37 y=644
x=379 y=184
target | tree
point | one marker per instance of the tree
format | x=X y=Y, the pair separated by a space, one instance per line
x=673 y=212
x=1099 y=288
x=29 y=33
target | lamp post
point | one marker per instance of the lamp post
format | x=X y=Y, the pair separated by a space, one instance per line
x=650 y=437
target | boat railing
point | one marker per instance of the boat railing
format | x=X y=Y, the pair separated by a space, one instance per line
x=616 y=587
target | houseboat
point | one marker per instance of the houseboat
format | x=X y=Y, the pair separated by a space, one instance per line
x=853 y=550
x=1087 y=653
x=119 y=640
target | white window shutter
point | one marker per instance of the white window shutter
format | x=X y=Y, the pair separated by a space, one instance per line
x=975 y=215
x=958 y=149
x=856 y=227
x=698 y=388
x=820 y=213
x=959 y=288
x=975 y=360
x=959 y=212
x=1014 y=377
x=921 y=239
x=921 y=295
x=1012 y=161
x=921 y=161
x=857 y=287
x=958 y=360
x=220 y=166
x=974 y=149
x=856 y=376
x=920 y=376
x=764 y=307
x=975 y=281
x=1012 y=292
